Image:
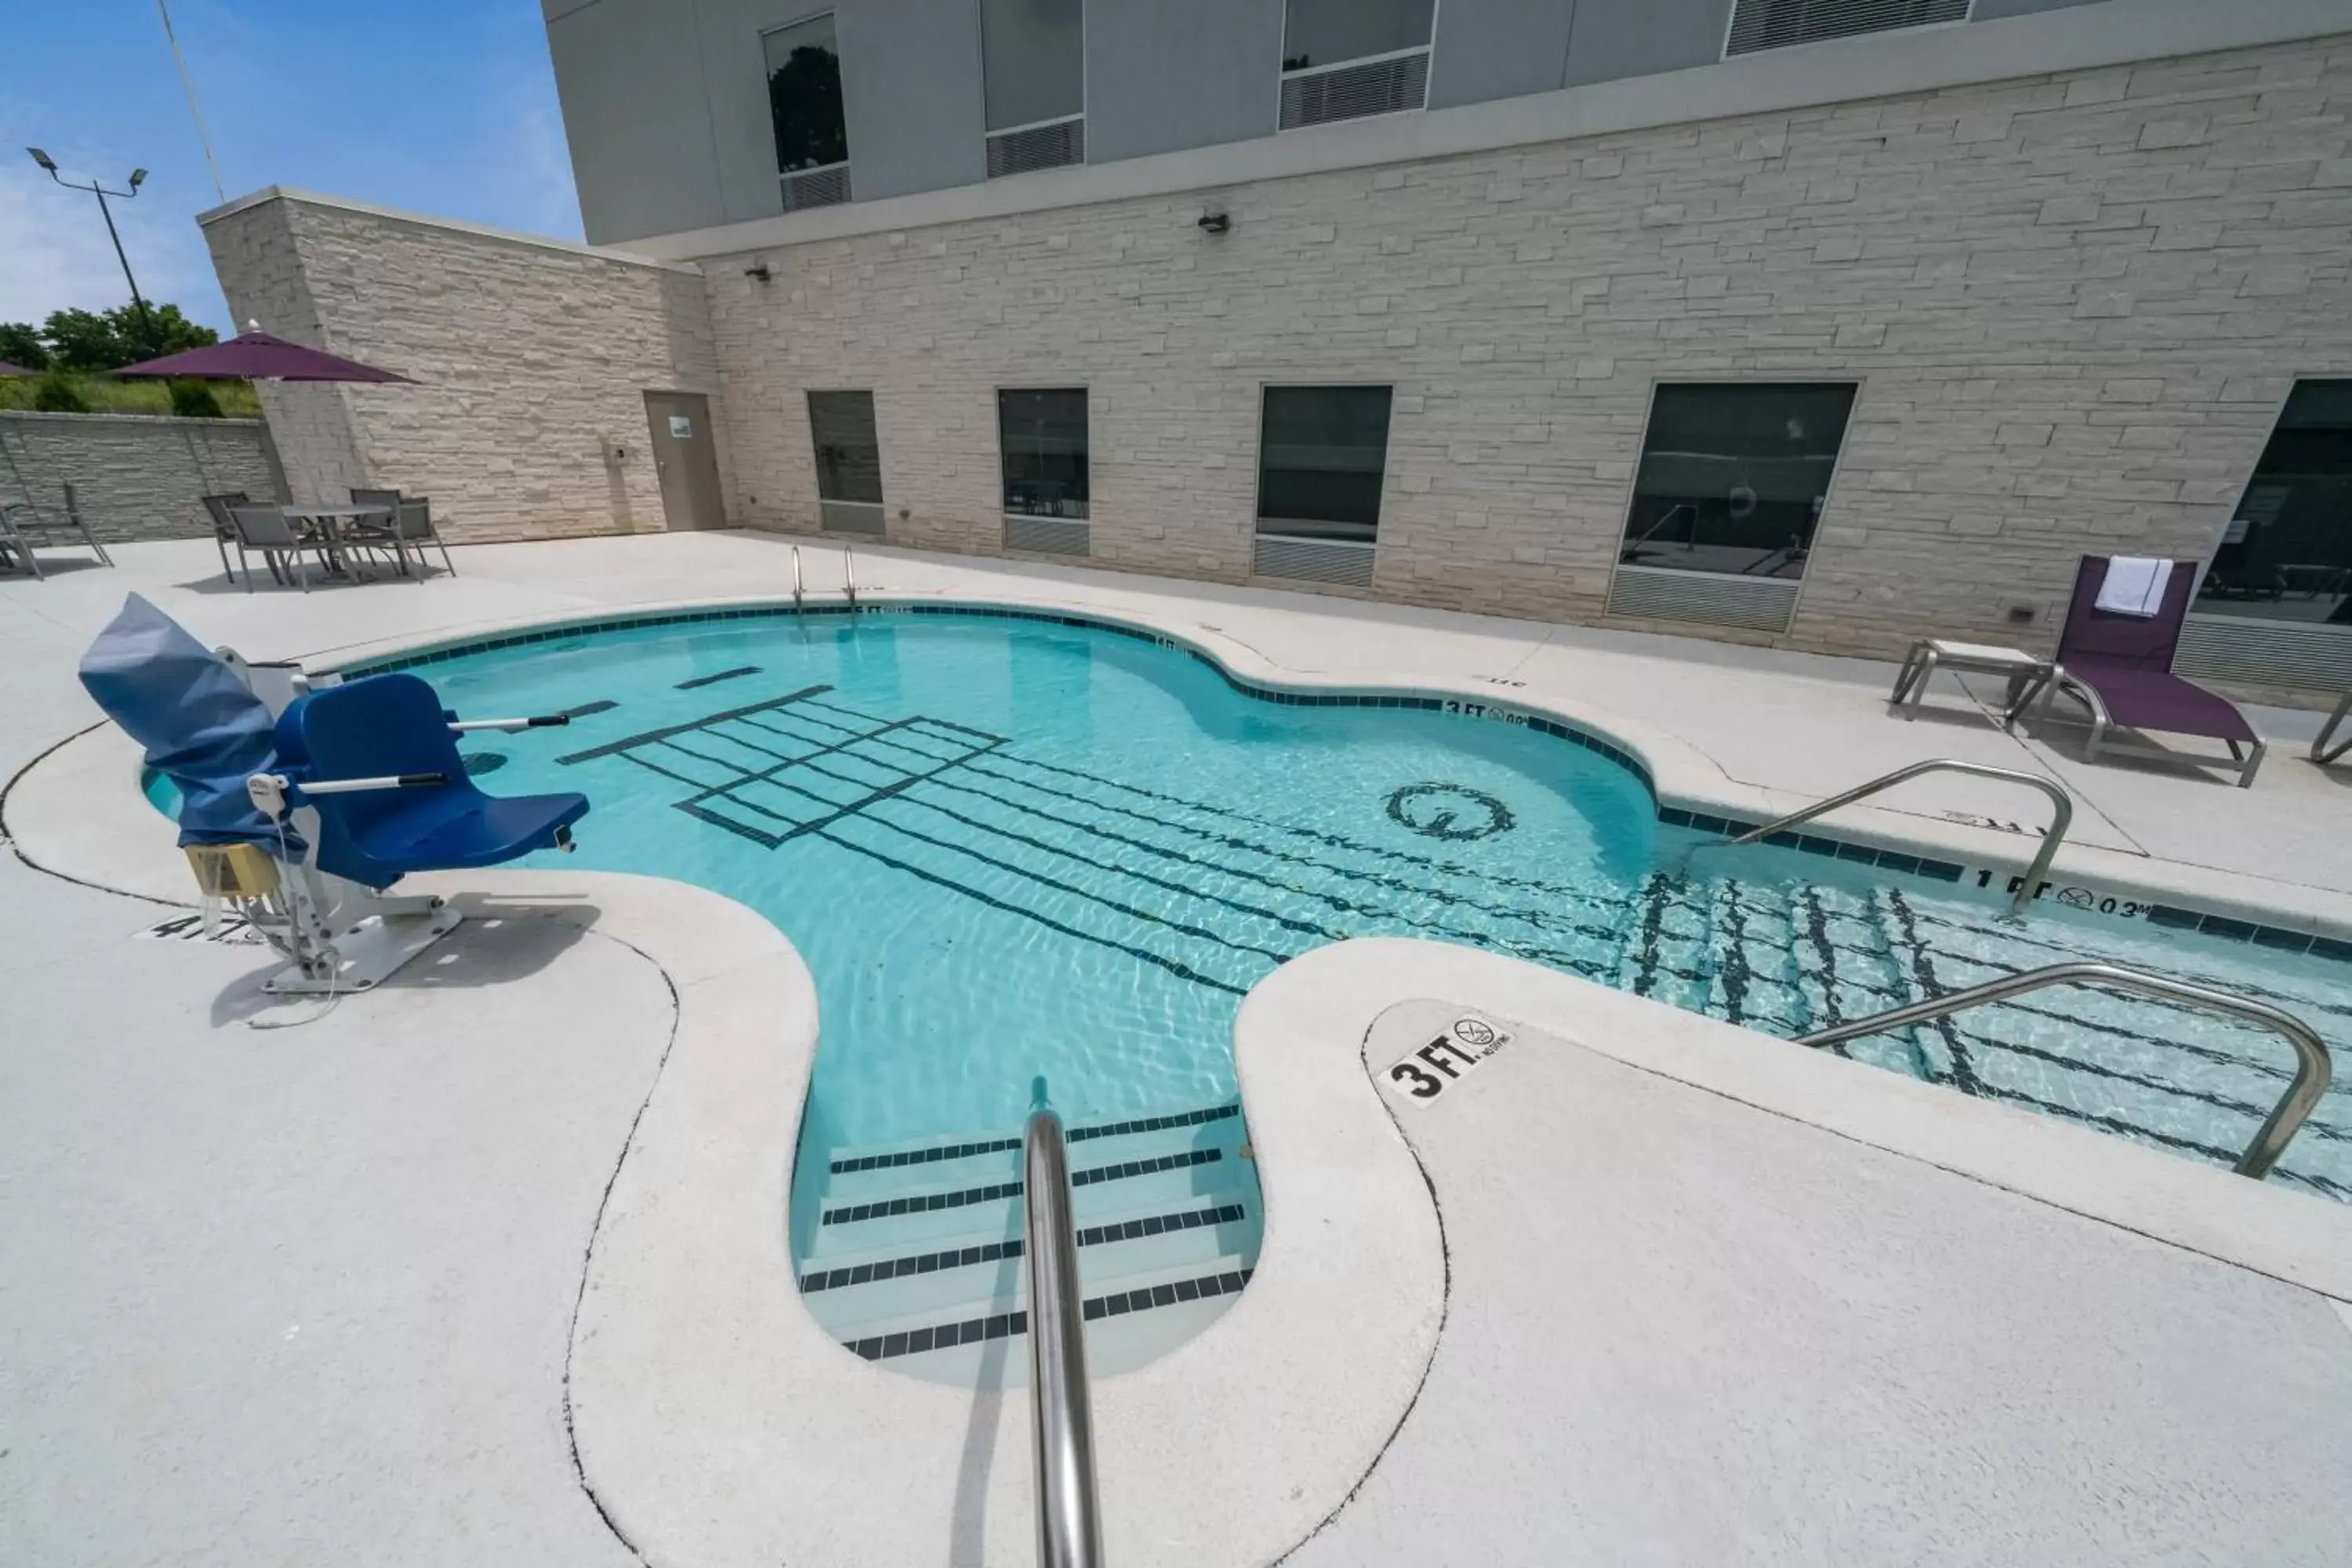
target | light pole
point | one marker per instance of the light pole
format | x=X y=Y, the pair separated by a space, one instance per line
x=138 y=177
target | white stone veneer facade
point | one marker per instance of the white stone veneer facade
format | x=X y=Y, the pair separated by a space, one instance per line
x=531 y=359
x=2073 y=302
x=135 y=476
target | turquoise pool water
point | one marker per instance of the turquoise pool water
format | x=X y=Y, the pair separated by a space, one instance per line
x=1011 y=850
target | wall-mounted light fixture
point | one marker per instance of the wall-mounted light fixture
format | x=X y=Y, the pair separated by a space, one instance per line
x=759 y=270
x=1215 y=223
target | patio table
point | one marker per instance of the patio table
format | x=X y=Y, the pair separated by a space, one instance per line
x=2029 y=677
x=327 y=522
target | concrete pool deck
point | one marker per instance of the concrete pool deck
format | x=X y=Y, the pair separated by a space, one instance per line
x=175 y=1182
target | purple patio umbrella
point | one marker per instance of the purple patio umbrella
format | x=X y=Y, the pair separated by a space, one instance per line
x=8 y=369
x=253 y=356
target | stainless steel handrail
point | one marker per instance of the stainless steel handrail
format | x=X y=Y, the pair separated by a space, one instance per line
x=796 y=579
x=2062 y=816
x=1061 y=1406
x=2313 y=1066
x=849 y=576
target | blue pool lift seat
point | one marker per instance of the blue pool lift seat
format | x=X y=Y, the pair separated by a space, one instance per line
x=387 y=726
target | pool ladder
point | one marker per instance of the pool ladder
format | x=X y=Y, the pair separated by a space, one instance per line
x=849 y=578
x=1061 y=1403
x=2313 y=1066
x=2062 y=813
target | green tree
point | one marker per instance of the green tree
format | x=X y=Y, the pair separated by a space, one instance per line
x=105 y=340
x=20 y=345
x=161 y=329
x=82 y=340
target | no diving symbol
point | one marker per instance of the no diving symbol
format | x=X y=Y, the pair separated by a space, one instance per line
x=1452 y=812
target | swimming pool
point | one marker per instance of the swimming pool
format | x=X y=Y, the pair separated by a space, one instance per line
x=1021 y=855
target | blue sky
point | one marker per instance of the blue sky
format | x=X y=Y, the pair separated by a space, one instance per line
x=440 y=106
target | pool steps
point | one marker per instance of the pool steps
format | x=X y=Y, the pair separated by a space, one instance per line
x=1166 y=1205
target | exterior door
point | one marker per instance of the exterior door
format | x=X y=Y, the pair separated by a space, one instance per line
x=685 y=459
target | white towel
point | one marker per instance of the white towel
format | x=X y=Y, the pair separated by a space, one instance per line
x=2134 y=584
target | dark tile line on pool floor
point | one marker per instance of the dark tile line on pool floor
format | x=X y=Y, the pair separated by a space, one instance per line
x=1119 y=1303
x=924 y=1203
x=842 y=1278
x=1519 y=948
x=2227 y=927
x=997 y=1145
x=699 y=681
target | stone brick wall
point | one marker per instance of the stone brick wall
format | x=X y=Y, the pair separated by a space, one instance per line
x=531 y=360
x=134 y=476
x=2074 y=304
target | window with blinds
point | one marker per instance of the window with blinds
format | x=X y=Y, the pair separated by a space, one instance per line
x=1777 y=24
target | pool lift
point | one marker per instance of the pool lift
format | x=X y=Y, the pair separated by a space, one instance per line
x=304 y=798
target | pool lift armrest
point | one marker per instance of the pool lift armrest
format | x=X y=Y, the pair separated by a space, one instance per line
x=544 y=721
x=339 y=935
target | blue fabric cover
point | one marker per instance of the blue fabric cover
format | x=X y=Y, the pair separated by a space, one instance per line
x=390 y=724
x=200 y=725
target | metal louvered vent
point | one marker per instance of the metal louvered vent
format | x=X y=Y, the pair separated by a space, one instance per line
x=826 y=187
x=2306 y=657
x=1313 y=561
x=1046 y=535
x=1049 y=146
x=1352 y=91
x=1705 y=598
x=851 y=517
x=1776 y=24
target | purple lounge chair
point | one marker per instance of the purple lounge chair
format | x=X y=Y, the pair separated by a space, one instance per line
x=2119 y=667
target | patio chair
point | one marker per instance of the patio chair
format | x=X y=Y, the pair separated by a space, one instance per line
x=410 y=524
x=2119 y=667
x=224 y=527
x=265 y=528
x=24 y=525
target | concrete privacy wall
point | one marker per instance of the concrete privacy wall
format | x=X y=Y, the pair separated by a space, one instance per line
x=2074 y=304
x=134 y=476
x=530 y=359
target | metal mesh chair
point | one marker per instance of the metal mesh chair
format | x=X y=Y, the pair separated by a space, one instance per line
x=2119 y=667
x=23 y=526
x=265 y=528
x=410 y=524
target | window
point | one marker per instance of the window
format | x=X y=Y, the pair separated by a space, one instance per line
x=2287 y=552
x=848 y=461
x=1044 y=438
x=1322 y=451
x=1033 y=64
x=1776 y=24
x=805 y=106
x=1345 y=58
x=1733 y=478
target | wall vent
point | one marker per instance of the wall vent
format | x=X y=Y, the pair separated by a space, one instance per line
x=1047 y=535
x=826 y=187
x=851 y=517
x=1777 y=24
x=1705 y=598
x=1350 y=91
x=2308 y=657
x=1313 y=561
x=1052 y=145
